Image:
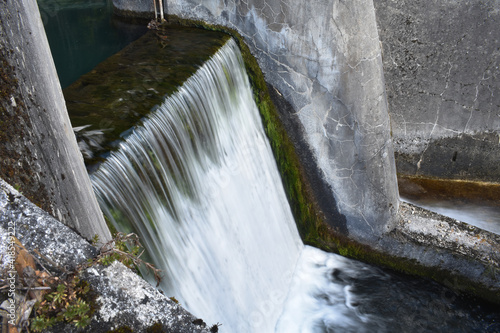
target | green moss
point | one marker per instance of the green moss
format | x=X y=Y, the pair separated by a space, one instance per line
x=124 y=88
x=15 y=128
x=155 y=328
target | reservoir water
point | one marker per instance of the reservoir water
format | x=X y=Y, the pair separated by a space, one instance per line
x=82 y=33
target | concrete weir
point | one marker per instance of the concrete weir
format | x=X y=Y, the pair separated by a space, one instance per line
x=324 y=60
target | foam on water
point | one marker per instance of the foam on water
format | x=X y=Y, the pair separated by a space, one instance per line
x=199 y=184
x=331 y=293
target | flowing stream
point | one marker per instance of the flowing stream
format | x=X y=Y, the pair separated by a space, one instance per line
x=198 y=182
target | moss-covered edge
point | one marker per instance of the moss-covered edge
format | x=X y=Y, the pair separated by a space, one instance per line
x=308 y=217
x=310 y=220
x=471 y=190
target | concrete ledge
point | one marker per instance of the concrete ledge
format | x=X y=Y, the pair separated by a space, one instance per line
x=461 y=256
x=426 y=228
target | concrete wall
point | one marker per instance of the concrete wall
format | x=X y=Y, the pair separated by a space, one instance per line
x=324 y=58
x=38 y=150
x=441 y=62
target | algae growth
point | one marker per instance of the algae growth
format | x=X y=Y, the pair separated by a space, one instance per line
x=115 y=95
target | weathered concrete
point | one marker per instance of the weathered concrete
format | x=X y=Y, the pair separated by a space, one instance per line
x=441 y=64
x=38 y=150
x=324 y=58
x=123 y=298
x=459 y=255
x=127 y=301
x=40 y=232
x=433 y=230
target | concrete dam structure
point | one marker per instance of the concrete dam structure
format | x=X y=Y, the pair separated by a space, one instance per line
x=366 y=91
x=327 y=61
x=324 y=58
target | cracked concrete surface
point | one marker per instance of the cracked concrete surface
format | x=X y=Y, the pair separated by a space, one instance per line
x=441 y=64
x=324 y=58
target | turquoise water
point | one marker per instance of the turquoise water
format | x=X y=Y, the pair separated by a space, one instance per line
x=82 y=33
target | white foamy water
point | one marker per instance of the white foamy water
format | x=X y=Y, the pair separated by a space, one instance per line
x=199 y=184
x=321 y=298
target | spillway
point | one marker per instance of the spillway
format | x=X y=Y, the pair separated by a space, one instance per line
x=198 y=182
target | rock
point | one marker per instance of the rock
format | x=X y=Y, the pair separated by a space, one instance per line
x=60 y=247
x=127 y=301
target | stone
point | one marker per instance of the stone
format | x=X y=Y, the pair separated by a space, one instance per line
x=127 y=301
x=60 y=248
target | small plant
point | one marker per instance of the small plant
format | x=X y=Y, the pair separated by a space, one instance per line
x=215 y=328
x=127 y=249
x=64 y=304
x=95 y=240
x=69 y=300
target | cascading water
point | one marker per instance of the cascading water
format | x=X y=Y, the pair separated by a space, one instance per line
x=199 y=184
x=197 y=181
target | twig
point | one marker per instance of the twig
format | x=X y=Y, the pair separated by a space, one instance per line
x=136 y=260
x=33 y=288
x=51 y=262
x=40 y=263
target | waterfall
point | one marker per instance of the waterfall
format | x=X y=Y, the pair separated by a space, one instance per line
x=198 y=182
